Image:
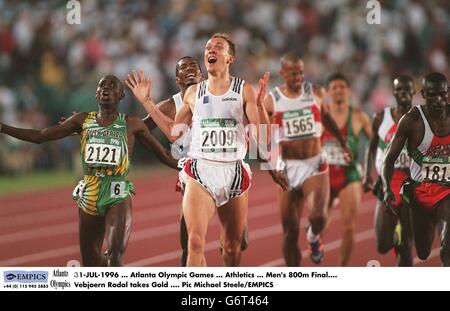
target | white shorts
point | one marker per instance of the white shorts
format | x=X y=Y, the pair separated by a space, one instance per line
x=298 y=171
x=223 y=180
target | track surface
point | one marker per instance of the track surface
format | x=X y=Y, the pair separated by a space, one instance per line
x=41 y=229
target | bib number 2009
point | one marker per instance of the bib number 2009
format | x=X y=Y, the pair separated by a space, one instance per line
x=218 y=139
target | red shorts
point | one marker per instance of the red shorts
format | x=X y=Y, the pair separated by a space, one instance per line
x=424 y=194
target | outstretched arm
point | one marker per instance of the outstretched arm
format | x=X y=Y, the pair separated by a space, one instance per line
x=66 y=128
x=151 y=143
x=141 y=87
x=371 y=153
x=167 y=107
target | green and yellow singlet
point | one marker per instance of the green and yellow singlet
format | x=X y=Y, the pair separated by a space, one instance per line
x=105 y=161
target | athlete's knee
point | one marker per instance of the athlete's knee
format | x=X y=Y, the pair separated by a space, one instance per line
x=196 y=244
x=232 y=247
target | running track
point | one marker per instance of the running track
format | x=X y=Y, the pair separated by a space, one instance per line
x=40 y=229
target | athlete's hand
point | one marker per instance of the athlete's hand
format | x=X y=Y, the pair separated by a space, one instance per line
x=367 y=184
x=280 y=178
x=389 y=201
x=260 y=96
x=140 y=85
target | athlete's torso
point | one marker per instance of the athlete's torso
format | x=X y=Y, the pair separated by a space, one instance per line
x=335 y=153
x=218 y=132
x=385 y=133
x=299 y=121
x=430 y=160
x=104 y=150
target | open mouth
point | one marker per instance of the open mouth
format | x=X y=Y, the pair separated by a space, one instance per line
x=190 y=76
x=105 y=96
x=212 y=59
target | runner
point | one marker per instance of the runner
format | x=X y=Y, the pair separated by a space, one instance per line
x=215 y=174
x=392 y=230
x=104 y=194
x=297 y=108
x=345 y=182
x=426 y=132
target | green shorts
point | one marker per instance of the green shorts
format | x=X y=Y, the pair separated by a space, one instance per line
x=94 y=195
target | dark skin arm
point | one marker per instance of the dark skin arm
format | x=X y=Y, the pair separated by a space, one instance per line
x=167 y=107
x=404 y=129
x=64 y=129
x=141 y=132
x=371 y=153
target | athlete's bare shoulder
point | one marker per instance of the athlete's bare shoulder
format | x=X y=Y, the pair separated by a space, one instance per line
x=167 y=107
x=360 y=114
x=411 y=121
x=78 y=119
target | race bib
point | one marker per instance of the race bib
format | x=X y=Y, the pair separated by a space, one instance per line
x=102 y=154
x=219 y=135
x=298 y=123
x=402 y=161
x=117 y=189
x=436 y=168
x=335 y=154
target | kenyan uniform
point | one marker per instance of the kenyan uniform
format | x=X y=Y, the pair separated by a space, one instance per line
x=298 y=118
x=342 y=173
x=430 y=170
x=401 y=166
x=104 y=156
x=219 y=143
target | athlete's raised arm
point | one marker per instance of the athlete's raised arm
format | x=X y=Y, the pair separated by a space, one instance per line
x=66 y=128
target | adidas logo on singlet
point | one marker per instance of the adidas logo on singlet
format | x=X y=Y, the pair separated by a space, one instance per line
x=227 y=99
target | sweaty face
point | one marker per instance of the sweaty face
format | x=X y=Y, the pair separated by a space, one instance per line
x=217 y=54
x=188 y=72
x=109 y=91
x=403 y=91
x=436 y=96
x=338 y=91
x=293 y=74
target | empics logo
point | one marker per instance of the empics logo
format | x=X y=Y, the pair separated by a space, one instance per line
x=25 y=276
